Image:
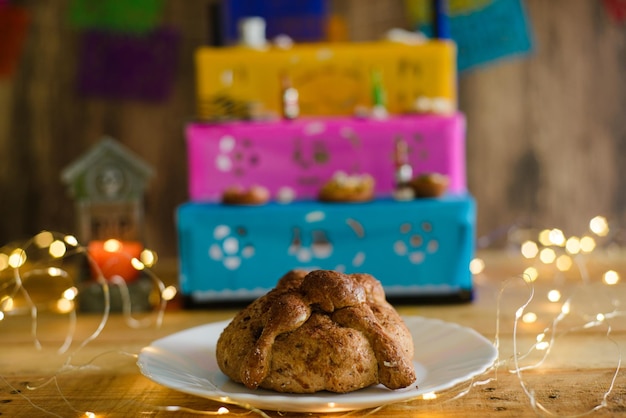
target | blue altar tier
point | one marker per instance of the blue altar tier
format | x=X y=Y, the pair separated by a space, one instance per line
x=417 y=249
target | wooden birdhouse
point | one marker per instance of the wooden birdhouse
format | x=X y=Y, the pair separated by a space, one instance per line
x=108 y=185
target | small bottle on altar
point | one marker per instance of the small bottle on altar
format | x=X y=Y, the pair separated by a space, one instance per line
x=379 y=110
x=252 y=32
x=289 y=99
x=403 y=171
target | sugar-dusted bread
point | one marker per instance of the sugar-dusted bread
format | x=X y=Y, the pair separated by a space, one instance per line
x=318 y=331
x=348 y=188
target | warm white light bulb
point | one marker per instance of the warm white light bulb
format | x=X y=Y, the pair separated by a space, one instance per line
x=138 y=265
x=477 y=266
x=43 y=239
x=529 y=317
x=17 y=258
x=554 y=295
x=4 y=261
x=529 y=249
x=547 y=255
x=530 y=274
x=148 y=257
x=564 y=262
x=70 y=240
x=169 y=293
x=587 y=244
x=557 y=237
x=565 y=309
x=544 y=237
x=57 y=249
x=64 y=305
x=70 y=293
x=112 y=245
x=572 y=245
x=599 y=226
x=6 y=303
x=56 y=272
x=611 y=277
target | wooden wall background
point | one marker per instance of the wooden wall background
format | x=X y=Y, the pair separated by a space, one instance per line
x=546 y=133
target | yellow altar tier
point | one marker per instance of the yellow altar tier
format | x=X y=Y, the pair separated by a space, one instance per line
x=331 y=78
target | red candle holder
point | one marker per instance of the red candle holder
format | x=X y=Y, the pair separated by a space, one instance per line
x=114 y=258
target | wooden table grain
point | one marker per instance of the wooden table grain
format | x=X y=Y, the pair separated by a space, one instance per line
x=581 y=374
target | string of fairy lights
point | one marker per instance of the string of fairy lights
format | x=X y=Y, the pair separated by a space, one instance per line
x=57 y=258
x=46 y=273
x=560 y=262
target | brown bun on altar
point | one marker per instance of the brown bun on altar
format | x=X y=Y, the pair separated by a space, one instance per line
x=348 y=188
x=237 y=195
x=429 y=185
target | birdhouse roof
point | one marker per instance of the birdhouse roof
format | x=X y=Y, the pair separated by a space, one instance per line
x=107 y=151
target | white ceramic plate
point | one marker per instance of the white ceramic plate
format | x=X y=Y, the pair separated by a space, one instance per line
x=446 y=354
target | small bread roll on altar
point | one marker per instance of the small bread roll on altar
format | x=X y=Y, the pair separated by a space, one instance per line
x=348 y=188
x=429 y=185
x=237 y=195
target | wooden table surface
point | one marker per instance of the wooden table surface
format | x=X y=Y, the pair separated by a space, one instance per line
x=580 y=373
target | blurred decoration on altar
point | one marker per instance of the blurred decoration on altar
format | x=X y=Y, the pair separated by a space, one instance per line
x=14 y=22
x=108 y=184
x=485 y=31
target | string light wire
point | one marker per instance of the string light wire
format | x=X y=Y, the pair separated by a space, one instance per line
x=21 y=273
x=598 y=320
x=558 y=245
x=518 y=369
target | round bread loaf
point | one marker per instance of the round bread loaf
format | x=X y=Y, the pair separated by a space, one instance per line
x=348 y=188
x=429 y=185
x=318 y=331
x=237 y=195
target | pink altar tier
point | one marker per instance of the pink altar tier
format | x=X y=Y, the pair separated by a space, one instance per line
x=293 y=159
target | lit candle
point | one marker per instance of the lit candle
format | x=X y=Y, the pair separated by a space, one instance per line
x=114 y=257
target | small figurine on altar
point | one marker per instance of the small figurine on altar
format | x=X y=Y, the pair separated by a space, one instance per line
x=289 y=99
x=403 y=171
